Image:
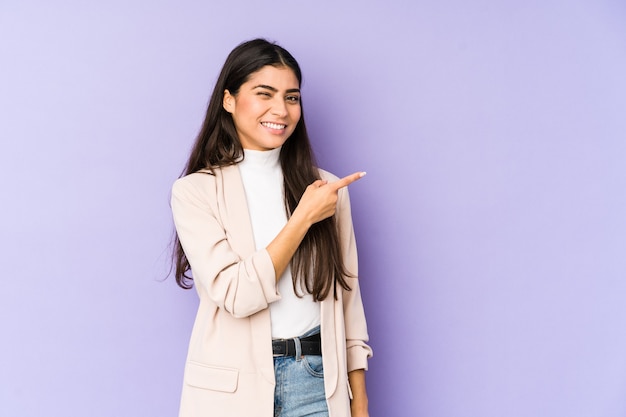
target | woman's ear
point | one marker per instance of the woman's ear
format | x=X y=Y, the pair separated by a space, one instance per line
x=229 y=102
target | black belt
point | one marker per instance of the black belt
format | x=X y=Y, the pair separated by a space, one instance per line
x=311 y=345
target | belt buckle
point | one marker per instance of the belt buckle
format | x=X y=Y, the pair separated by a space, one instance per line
x=280 y=344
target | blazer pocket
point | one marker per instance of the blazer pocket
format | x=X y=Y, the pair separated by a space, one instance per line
x=211 y=377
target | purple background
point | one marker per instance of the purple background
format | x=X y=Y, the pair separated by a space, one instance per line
x=491 y=225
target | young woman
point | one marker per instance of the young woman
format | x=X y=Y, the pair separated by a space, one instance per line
x=268 y=239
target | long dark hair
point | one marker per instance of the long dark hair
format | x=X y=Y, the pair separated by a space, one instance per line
x=318 y=261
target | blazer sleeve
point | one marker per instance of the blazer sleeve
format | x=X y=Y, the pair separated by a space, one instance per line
x=241 y=286
x=358 y=351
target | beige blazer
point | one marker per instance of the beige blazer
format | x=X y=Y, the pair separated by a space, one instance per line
x=229 y=370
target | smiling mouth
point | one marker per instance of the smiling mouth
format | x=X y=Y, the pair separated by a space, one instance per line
x=276 y=126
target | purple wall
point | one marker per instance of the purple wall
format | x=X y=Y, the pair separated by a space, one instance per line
x=491 y=225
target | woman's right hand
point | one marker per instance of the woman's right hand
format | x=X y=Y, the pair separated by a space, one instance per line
x=319 y=200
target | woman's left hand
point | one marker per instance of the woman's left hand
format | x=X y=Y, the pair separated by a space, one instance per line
x=358 y=411
x=359 y=402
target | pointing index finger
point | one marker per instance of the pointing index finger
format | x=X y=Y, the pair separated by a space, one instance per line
x=347 y=180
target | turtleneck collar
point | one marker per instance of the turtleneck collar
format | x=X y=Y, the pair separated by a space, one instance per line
x=260 y=159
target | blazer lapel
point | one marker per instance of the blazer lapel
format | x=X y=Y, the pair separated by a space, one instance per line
x=235 y=212
x=239 y=232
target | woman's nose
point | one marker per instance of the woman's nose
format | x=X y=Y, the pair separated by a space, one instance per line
x=279 y=107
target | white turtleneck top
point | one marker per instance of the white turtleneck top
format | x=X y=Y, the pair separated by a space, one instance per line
x=263 y=182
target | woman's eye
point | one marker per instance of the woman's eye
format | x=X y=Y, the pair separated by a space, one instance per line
x=263 y=93
x=293 y=99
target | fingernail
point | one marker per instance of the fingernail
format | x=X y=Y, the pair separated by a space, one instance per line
x=362 y=174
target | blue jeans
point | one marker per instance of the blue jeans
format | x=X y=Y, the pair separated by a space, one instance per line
x=299 y=388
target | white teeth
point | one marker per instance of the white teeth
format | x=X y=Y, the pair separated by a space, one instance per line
x=273 y=125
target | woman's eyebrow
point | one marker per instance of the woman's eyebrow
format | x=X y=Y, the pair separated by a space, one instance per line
x=269 y=87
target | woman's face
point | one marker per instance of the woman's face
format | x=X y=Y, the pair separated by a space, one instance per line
x=266 y=109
